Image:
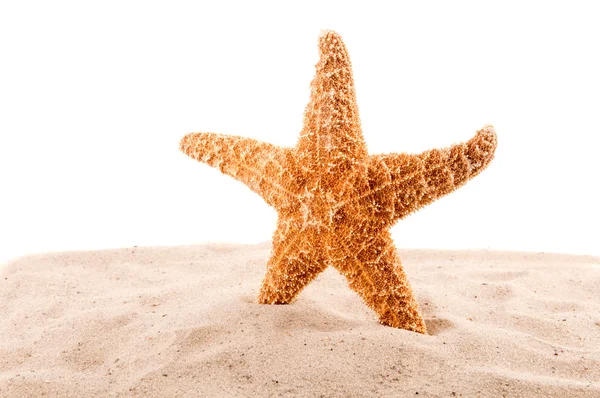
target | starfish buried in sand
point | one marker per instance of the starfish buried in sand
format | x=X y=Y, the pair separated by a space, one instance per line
x=335 y=202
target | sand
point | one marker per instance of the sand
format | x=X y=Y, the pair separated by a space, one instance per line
x=183 y=322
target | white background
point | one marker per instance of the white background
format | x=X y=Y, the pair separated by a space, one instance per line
x=94 y=97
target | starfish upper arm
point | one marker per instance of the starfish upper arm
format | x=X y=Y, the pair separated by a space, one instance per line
x=413 y=181
x=257 y=164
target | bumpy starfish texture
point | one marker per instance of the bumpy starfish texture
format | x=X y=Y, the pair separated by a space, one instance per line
x=335 y=202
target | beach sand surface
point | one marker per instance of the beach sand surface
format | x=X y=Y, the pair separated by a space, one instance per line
x=184 y=322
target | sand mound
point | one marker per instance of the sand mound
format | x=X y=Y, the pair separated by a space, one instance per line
x=182 y=321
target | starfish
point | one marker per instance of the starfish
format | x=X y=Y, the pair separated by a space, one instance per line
x=335 y=202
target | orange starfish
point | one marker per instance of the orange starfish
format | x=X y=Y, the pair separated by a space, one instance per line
x=335 y=202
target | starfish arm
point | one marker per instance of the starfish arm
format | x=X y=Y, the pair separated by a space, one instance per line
x=294 y=263
x=373 y=270
x=257 y=164
x=404 y=183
